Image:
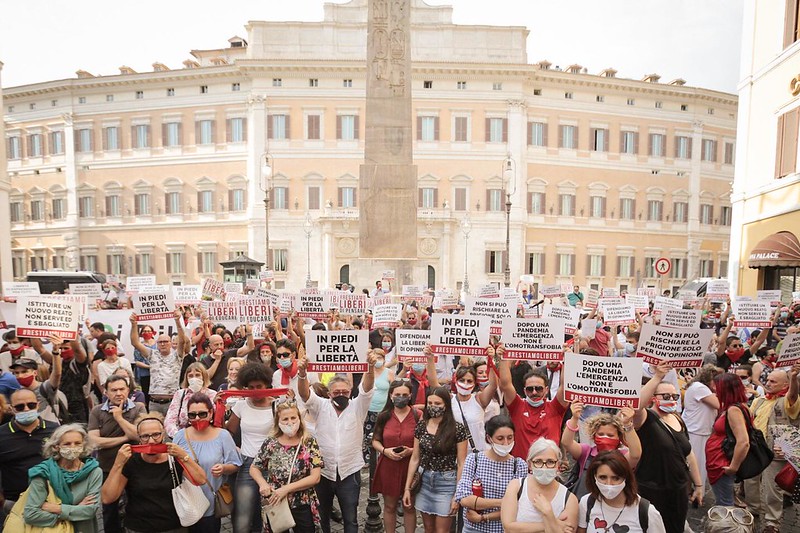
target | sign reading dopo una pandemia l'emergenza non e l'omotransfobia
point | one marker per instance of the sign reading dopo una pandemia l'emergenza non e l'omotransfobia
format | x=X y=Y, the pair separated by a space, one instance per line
x=603 y=381
x=682 y=347
x=533 y=339
x=459 y=334
x=337 y=351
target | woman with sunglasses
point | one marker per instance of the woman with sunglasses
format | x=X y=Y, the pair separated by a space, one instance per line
x=213 y=449
x=393 y=439
x=440 y=447
x=290 y=451
x=196 y=380
x=539 y=498
x=662 y=474
x=612 y=503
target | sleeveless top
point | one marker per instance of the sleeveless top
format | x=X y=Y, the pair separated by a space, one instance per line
x=526 y=512
x=475 y=416
x=381 y=389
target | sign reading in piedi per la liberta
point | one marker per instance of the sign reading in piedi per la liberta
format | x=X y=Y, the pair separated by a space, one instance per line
x=337 y=351
x=682 y=347
x=151 y=306
x=602 y=381
x=533 y=339
x=459 y=334
x=41 y=317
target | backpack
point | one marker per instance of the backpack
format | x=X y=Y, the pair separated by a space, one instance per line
x=644 y=509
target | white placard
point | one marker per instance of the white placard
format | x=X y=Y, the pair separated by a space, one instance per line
x=388 y=275
x=313 y=304
x=650 y=292
x=751 y=314
x=662 y=302
x=682 y=347
x=266 y=275
x=448 y=299
x=233 y=286
x=718 y=290
x=337 y=351
x=459 y=334
x=592 y=298
x=619 y=315
x=213 y=288
x=40 y=317
x=796 y=297
x=412 y=292
x=570 y=315
x=610 y=292
x=681 y=318
x=80 y=299
x=234 y=296
x=551 y=291
x=790 y=350
x=137 y=283
x=495 y=308
x=187 y=294
x=92 y=291
x=490 y=290
x=255 y=311
x=351 y=304
x=588 y=327
x=536 y=339
x=15 y=289
x=603 y=381
x=153 y=306
x=387 y=315
x=771 y=296
x=410 y=344
x=639 y=302
x=156 y=288
x=252 y=283
x=223 y=313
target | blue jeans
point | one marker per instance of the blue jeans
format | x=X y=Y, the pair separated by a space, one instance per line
x=246 y=516
x=346 y=491
x=723 y=490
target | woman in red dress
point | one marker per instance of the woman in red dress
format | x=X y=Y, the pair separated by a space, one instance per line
x=393 y=439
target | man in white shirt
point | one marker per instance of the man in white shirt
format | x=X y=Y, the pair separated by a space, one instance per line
x=339 y=432
x=165 y=364
x=379 y=290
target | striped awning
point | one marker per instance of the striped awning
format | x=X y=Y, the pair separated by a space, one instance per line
x=780 y=249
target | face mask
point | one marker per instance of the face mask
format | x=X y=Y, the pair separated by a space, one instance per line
x=25 y=381
x=746 y=382
x=286 y=362
x=70 y=454
x=784 y=315
x=482 y=382
x=544 y=476
x=379 y=363
x=464 y=390
x=67 y=354
x=606 y=443
x=147 y=335
x=535 y=403
x=16 y=348
x=598 y=325
x=419 y=368
x=401 y=401
x=26 y=418
x=200 y=424
x=609 y=492
x=195 y=384
x=735 y=355
x=289 y=429
x=387 y=346
x=227 y=342
x=502 y=449
x=110 y=351
x=435 y=411
x=629 y=347
x=341 y=402
x=266 y=357
x=667 y=406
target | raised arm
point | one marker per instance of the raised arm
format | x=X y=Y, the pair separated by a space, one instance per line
x=647 y=392
x=485 y=396
x=303 y=388
x=433 y=379
x=248 y=346
x=506 y=384
x=723 y=337
x=570 y=428
x=135 y=342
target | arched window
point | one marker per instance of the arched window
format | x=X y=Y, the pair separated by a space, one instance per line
x=344 y=274
x=431 y=277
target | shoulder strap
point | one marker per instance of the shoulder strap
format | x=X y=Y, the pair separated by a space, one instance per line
x=521 y=488
x=174 y=474
x=180 y=408
x=196 y=460
x=291 y=466
x=644 y=514
x=566 y=496
x=589 y=506
x=469 y=433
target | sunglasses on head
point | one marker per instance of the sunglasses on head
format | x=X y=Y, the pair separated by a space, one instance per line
x=537 y=388
x=19 y=407
x=199 y=414
x=668 y=396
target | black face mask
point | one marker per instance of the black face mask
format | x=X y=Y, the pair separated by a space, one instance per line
x=341 y=402
x=401 y=401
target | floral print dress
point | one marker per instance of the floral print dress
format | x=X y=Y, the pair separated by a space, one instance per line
x=274 y=460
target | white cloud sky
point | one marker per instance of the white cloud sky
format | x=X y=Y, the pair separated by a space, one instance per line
x=698 y=40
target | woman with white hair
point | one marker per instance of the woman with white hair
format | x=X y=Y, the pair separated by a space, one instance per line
x=74 y=477
x=540 y=498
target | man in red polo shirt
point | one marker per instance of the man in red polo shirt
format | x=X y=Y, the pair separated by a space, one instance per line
x=533 y=416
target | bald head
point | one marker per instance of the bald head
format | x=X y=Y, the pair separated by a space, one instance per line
x=23 y=396
x=215 y=343
x=777 y=380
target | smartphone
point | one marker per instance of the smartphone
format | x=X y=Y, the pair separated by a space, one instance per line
x=398 y=449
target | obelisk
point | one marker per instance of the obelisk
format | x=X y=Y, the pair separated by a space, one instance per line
x=388 y=177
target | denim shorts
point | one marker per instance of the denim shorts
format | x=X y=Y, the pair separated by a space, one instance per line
x=436 y=492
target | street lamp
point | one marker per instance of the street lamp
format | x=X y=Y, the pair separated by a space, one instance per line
x=267 y=162
x=510 y=185
x=466 y=227
x=308 y=227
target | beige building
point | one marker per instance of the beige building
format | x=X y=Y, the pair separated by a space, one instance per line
x=159 y=172
x=765 y=253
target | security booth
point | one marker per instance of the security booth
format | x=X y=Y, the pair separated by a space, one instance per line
x=240 y=269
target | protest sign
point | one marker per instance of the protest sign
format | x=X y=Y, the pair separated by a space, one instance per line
x=266 y=275
x=591 y=299
x=650 y=292
x=252 y=283
x=40 y=317
x=489 y=290
x=751 y=314
x=619 y=315
x=681 y=318
x=213 y=288
x=603 y=381
x=412 y=292
x=187 y=294
x=771 y=296
x=639 y=302
x=80 y=299
x=610 y=292
x=567 y=288
x=351 y=304
x=410 y=344
x=448 y=299
x=682 y=347
x=3 y=323
x=156 y=288
x=233 y=286
x=386 y=315
x=255 y=311
x=137 y=283
x=570 y=315
x=790 y=350
x=337 y=351
x=287 y=303
x=534 y=311
x=662 y=302
x=388 y=275
x=796 y=297
x=15 y=289
x=223 y=312
x=537 y=339
x=459 y=334
x=153 y=306
x=550 y=291
x=313 y=304
x=92 y=291
x=718 y=290
x=234 y=296
x=271 y=295
x=588 y=327
x=495 y=308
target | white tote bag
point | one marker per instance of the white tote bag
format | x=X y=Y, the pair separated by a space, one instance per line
x=189 y=500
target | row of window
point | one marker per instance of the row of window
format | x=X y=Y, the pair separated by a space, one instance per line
x=595 y=265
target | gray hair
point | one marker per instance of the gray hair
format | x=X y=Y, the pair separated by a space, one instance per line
x=49 y=450
x=542 y=445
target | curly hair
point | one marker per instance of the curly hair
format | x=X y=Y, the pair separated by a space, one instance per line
x=594 y=423
x=254 y=372
x=49 y=449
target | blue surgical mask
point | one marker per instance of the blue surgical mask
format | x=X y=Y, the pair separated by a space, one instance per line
x=26 y=417
x=379 y=363
x=535 y=403
x=285 y=362
x=630 y=347
x=419 y=368
x=387 y=346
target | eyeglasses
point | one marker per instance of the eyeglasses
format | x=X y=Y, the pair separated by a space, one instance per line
x=151 y=436
x=283 y=355
x=32 y=406
x=742 y=516
x=549 y=463
x=537 y=388
x=340 y=393
x=668 y=396
x=199 y=414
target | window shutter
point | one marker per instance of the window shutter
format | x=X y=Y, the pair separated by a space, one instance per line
x=593 y=139
x=163 y=143
x=714 y=151
x=105 y=139
x=619 y=266
x=419 y=195
x=419 y=128
x=489 y=206
x=677 y=146
x=542 y=263
x=561 y=136
x=622 y=143
x=436 y=196
x=180 y=133
x=196 y=132
x=530 y=138
x=606 y=135
x=791 y=28
x=214 y=132
x=108 y=264
x=288 y=122
x=199 y=262
x=338 y=127
x=636 y=143
x=690 y=144
x=138 y=264
x=505 y=130
x=436 y=129
x=488 y=123
x=355 y=127
x=270 y=132
x=603 y=265
x=576 y=140
x=244 y=129
x=530 y=203
x=787 y=142
x=488 y=261
x=355 y=197
x=169 y=263
x=147 y=135
x=230 y=200
x=339 y=197
x=572 y=264
x=228 y=130
x=651 y=138
x=588 y=265
x=199 y=201
x=544 y=133
x=572 y=205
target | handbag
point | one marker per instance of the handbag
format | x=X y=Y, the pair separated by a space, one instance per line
x=223 y=497
x=759 y=456
x=189 y=500
x=15 y=522
x=279 y=515
x=787 y=478
x=416 y=482
x=729 y=520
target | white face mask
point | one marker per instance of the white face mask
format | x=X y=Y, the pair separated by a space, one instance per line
x=610 y=492
x=463 y=390
x=502 y=449
x=544 y=476
x=195 y=384
x=289 y=429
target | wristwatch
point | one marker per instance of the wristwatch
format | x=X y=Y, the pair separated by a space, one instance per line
x=186 y=458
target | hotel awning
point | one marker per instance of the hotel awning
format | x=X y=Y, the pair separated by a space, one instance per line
x=780 y=249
